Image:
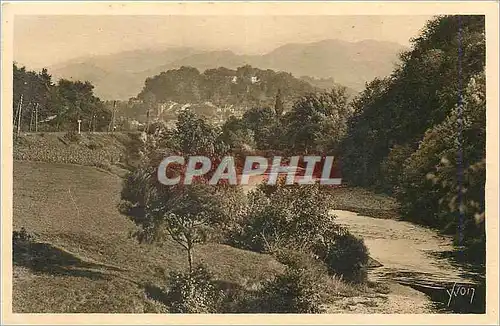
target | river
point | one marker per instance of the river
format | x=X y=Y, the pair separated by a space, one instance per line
x=413 y=257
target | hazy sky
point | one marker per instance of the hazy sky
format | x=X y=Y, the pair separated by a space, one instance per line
x=45 y=40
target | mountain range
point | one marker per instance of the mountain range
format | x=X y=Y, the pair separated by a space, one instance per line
x=122 y=75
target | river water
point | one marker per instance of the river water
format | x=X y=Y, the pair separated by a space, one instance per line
x=412 y=256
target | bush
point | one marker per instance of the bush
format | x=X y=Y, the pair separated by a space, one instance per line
x=193 y=292
x=21 y=237
x=295 y=215
x=152 y=306
x=344 y=255
x=296 y=291
x=72 y=136
x=299 y=259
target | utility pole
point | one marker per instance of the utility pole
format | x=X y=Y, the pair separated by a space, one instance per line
x=31 y=116
x=79 y=123
x=36 y=117
x=20 y=111
x=114 y=113
x=111 y=126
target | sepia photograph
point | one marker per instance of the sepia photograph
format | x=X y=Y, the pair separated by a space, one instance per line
x=269 y=160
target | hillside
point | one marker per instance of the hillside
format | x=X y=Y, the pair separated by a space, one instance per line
x=72 y=212
x=109 y=151
x=121 y=75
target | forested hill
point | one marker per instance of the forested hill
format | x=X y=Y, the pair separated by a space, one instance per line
x=216 y=93
x=244 y=86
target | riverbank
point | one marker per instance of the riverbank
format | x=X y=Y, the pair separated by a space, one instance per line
x=364 y=202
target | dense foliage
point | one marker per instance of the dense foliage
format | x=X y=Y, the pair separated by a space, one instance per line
x=296 y=218
x=420 y=133
x=315 y=123
x=263 y=221
x=296 y=291
x=246 y=86
x=295 y=215
x=344 y=254
x=193 y=292
x=56 y=106
x=449 y=167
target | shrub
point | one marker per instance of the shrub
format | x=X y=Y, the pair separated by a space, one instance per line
x=72 y=136
x=295 y=215
x=345 y=255
x=152 y=306
x=299 y=259
x=21 y=237
x=22 y=245
x=193 y=292
x=296 y=291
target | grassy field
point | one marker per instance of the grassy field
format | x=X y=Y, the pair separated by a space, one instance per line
x=84 y=260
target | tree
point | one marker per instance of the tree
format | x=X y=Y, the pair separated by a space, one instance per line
x=414 y=114
x=296 y=291
x=236 y=135
x=262 y=122
x=278 y=105
x=75 y=100
x=449 y=168
x=317 y=122
x=295 y=216
x=419 y=94
x=193 y=136
x=188 y=214
x=59 y=105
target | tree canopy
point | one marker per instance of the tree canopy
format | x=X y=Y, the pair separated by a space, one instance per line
x=420 y=133
x=58 y=105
